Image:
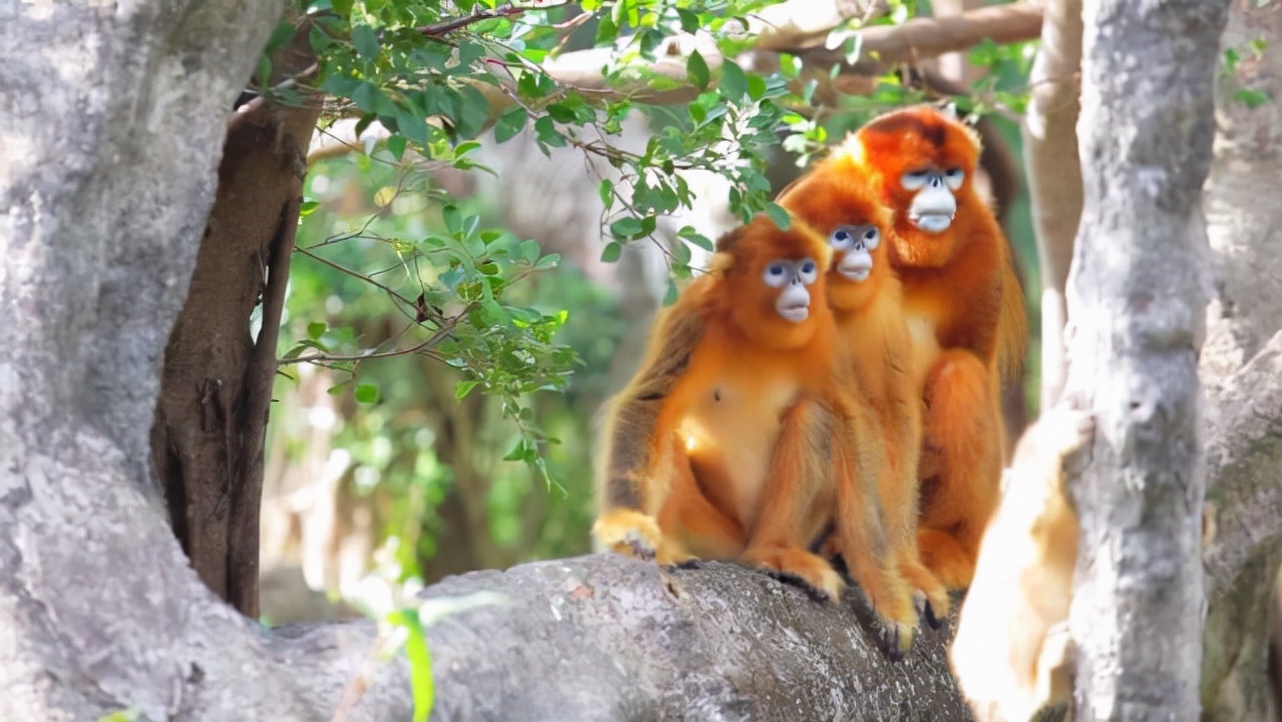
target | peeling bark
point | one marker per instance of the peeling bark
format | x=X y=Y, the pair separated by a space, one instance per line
x=1137 y=299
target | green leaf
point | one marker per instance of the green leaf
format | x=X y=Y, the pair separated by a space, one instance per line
x=606 y=191
x=734 y=83
x=626 y=227
x=779 y=216
x=396 y=144
x=307 y=208
x=315 y=329
x=280 y=35
x=366 y=41
x=689 y=20
x=1252 y=98
x=420 y=660
x=366 y=393
x=509 y=123
x=697 y=70
x=462 y=388
x=688 y=233
x=611 y=252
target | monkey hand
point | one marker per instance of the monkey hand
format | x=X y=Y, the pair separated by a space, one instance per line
x=793 y=563
x=1065 y=430
x=632 y=533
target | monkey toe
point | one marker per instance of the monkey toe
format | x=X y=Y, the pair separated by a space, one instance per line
x=896 y=639
x=800 y=568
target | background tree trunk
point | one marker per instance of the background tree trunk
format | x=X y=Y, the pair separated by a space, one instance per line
x=1241 y=364
x=1137 y=299
x=1054 y=175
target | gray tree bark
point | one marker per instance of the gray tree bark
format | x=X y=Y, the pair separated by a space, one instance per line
x=1241 y=364
x=605 y=637
x=114 y=117
x=1137 y=299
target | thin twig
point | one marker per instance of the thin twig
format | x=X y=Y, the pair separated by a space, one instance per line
x=449 y=26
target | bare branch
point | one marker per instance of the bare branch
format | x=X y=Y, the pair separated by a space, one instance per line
x=919 y=38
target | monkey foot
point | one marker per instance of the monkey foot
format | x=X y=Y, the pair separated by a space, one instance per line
x=629 y=532
x=798 y=566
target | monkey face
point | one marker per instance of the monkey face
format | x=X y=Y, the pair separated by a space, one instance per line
x=933 y=204
x=853 y=246
x=792 y=278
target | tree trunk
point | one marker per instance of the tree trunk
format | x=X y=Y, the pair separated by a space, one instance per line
x=1137 y=299
x=211 y=420
x=114 y=117
x=1054 y=175
x=1241 y=364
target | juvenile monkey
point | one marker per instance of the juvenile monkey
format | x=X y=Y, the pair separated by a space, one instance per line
x=1012 y=647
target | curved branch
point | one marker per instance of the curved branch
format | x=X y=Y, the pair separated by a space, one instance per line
x=927 y=37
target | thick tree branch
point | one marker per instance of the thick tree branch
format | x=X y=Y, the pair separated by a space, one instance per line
x=604 y=637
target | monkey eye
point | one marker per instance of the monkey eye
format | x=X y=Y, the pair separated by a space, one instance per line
x=776 y=274
x=915 y=180
x=872 y=237
x=954 y=177
x=809 y=271
x=842 y=237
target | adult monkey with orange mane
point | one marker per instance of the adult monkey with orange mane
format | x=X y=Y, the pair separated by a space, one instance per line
x=722 y=445
x=874 y=346
x=966 y=311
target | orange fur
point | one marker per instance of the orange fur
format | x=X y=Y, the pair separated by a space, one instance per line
x=966 y=310
x=692 y=442
x=874 y=349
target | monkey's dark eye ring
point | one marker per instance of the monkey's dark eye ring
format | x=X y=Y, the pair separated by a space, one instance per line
x=842 y=237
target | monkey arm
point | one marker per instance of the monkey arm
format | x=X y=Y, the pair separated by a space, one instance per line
x=635 y=463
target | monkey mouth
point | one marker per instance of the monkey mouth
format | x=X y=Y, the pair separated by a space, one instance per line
x=855 y=269
x=931 y=222
x=795 y=314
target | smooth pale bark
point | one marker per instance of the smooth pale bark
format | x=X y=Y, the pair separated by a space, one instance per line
x=1241 y=364
x=1137 y=300
x=1054 y=175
